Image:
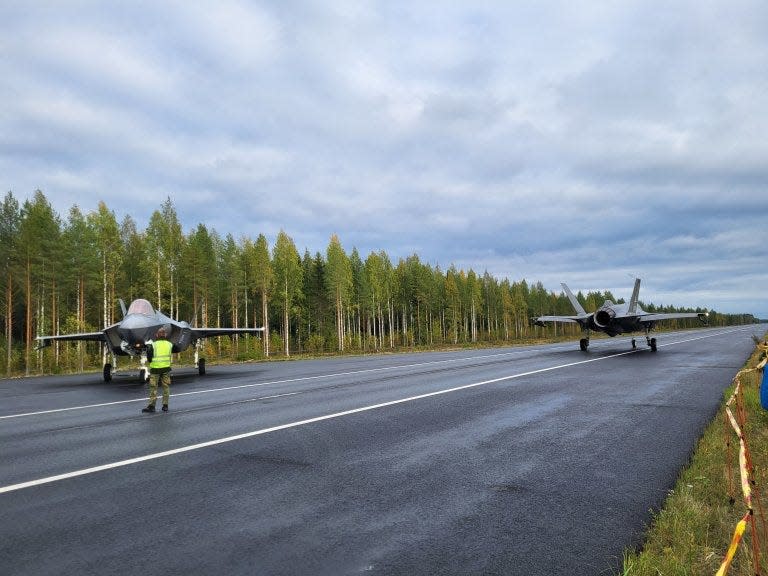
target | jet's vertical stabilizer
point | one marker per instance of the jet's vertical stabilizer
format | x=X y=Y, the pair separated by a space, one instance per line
x=635 y=295
x=574 y=302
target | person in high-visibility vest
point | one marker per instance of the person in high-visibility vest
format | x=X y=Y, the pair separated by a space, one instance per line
x=159 y=356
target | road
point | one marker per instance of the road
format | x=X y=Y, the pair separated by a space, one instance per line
x=526 y=460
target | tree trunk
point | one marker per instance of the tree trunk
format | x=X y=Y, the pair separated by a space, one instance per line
x=9 y=324
x=54 y=322
x=28 y=327
x=286 y=333
x=265 y=322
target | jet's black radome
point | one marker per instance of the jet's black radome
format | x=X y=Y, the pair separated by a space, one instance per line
x=614 y=319
x=135 y=331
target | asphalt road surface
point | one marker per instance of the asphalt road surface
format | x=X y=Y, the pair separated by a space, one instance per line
x=532 y=460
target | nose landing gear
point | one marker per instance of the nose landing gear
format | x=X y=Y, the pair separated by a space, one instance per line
x=650 y=341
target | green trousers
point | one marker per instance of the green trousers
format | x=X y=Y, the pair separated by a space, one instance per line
x=164 y=378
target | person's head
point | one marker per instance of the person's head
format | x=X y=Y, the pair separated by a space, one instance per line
x=160 y=333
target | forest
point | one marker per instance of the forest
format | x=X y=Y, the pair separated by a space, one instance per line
x=62 y=275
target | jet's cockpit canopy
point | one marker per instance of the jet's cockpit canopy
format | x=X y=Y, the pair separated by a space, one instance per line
x=141 y=306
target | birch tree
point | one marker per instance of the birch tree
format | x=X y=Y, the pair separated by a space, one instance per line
x=474 y=300
x=338 y=279
x=374 y=271
x=136 y=268
x=263 y=283
x=358 y=303
x=387 y=294
x=109 y=252
x=165 y=241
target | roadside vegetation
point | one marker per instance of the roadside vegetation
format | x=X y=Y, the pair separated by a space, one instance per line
x=692 y=532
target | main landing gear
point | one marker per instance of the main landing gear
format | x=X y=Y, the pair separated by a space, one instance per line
x=650 y=341
x=584 y=342
x=111 y=367
x=109 y=370
x=199 y=362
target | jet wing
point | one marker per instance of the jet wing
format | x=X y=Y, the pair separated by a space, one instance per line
x=578 y=319
x=672 y=316
x=198 y=333
x=92 y=336
x=109 y=335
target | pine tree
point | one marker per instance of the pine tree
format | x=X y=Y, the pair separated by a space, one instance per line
x=339 y=284
x=10 y=221
x=288 y=280
x=38 y=240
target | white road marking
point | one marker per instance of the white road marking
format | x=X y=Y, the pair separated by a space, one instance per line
x=257 y=384
x=121 y=463
x=318 y=377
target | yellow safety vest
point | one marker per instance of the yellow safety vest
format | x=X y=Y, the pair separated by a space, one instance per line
x=162 y=354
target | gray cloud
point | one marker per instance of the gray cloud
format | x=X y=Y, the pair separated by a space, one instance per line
x=579 y=142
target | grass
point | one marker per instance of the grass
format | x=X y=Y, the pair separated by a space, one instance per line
x=692 y=532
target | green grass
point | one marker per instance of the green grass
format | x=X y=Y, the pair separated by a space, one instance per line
x=693 y=531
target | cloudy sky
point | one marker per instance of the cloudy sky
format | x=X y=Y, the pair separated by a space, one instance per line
x=586 y=142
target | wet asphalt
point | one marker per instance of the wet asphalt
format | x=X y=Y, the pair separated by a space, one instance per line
x=530 y=460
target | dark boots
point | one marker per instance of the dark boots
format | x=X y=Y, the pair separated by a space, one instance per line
x=151 y=408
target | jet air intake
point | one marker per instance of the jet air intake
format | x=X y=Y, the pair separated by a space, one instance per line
x=604 y=316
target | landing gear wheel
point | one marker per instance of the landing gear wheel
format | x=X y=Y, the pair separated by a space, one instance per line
x=653 y=344
x=583 y=344
x=201 y=366
x=144 y=375
x=634 y=344
x=107 y=372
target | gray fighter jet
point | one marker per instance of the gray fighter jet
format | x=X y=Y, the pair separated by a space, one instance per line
x=135 y=331
x=614 y=319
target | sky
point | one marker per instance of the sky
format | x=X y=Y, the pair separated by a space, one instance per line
x=568 y=141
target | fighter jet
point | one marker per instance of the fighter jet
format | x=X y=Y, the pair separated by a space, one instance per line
x=616 y=319
x=135 y=331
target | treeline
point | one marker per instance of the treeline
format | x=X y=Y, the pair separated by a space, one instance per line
x=61 y=276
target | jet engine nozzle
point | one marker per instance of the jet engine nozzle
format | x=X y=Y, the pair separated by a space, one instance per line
x=604 y=316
